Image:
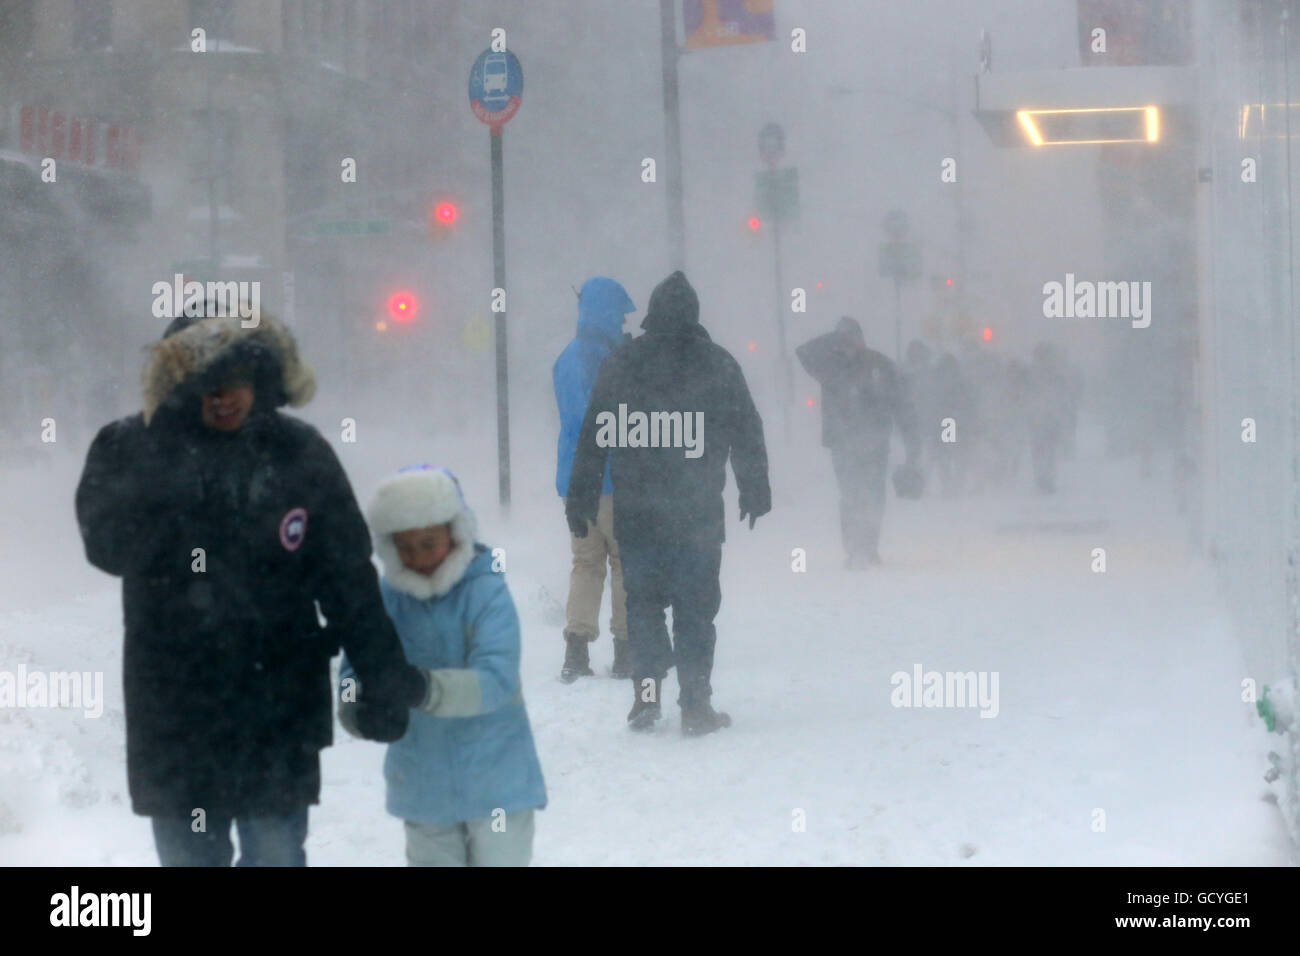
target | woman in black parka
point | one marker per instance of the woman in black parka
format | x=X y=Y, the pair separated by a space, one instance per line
x=230 y=524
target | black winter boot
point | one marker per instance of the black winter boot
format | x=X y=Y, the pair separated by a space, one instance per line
x=645 y=705
x=701 y=719
x=576 y=661
x=621 y=669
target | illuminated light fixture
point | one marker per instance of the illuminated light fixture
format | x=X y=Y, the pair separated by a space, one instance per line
x=1118 y=124
x=402 y=306
x=1252 y=120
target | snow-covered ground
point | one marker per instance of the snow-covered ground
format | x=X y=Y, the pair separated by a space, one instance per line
x=1119 y=738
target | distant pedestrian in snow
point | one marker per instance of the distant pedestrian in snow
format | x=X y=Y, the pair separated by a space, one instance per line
x=1050 y=398
x=921 y=382
x=863 y=399
x=603 y=306
x=667 y=410
x=231 y=526
x=465 y=777
x=951 y=397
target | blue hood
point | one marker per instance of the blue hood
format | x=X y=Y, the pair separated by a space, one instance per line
x=602 y=304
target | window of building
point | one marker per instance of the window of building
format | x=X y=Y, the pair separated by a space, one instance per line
x=17 y=27
x=92 y=24
x=211 y=155
x=289 y=24
x=215 y=17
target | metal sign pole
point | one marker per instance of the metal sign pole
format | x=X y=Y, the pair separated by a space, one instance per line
x=496 y=89
x=499 y=282
x=672 y=135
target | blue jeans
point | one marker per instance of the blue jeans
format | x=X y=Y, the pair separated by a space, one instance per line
x=685 y=577
x=263 y=840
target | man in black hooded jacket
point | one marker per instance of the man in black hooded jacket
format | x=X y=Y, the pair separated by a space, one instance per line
x=863 y=398
x=231 y=526
x=668 y=408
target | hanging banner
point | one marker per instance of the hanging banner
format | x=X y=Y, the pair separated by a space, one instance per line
x=727 y=22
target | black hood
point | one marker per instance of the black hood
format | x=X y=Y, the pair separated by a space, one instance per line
x=673 y=306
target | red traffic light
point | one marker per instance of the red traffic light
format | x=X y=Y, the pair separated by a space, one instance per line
x=445 y=213
x=753 y=223
x=402 y=306
x=988 y=334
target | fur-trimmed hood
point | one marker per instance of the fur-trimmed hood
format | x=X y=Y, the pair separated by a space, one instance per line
x=183 y=358
x=417 y=497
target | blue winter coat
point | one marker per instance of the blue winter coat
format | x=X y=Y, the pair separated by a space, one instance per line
x=448 y=770
x=602 y=304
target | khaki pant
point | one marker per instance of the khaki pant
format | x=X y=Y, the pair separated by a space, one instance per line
x=587 y=579
x=472 y=843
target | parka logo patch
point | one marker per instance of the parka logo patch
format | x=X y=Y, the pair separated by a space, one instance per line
x=293 y=528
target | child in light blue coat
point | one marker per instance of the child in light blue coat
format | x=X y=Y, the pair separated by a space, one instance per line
x=465 y=777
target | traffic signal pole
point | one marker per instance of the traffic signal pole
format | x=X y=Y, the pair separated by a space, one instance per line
x=499 y=282
x=672 y=136
x=787 y=372
x=898 y=321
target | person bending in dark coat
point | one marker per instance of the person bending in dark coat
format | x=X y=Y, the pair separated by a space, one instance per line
x=863 y=399
x=232 y=525
x=668 y=409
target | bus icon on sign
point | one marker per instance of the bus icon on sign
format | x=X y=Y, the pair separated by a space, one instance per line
x=496 y=71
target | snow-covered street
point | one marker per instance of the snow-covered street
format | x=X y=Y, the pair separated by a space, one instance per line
x=1119 y=735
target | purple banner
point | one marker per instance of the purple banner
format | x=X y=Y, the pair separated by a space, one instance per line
x=726 y=22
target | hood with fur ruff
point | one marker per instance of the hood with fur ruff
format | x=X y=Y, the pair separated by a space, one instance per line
x=418 y=497
x=184 y=358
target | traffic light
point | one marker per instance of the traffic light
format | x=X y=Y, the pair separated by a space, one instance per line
x=402 y=306
x=442 y=217
x=753 y=223
x=988 y=334
x=445 y=212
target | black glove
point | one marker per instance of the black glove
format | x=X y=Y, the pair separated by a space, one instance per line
x=753 y=511
x=384 y=715
x=578 y=524
x=381 y=722
x=412 y=686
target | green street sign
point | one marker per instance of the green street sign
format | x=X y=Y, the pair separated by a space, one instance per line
x=776 y=194
x=351 y=227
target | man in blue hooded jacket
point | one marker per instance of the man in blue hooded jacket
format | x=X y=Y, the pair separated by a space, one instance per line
x=603 y=306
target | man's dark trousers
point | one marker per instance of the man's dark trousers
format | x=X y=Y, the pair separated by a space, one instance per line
x=275 y=840
x=860 y=471
x=683 y=576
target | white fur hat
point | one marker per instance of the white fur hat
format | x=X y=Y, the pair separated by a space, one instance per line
x=417 y=497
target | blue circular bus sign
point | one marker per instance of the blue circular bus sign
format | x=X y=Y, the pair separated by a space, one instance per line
x=496 y=87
